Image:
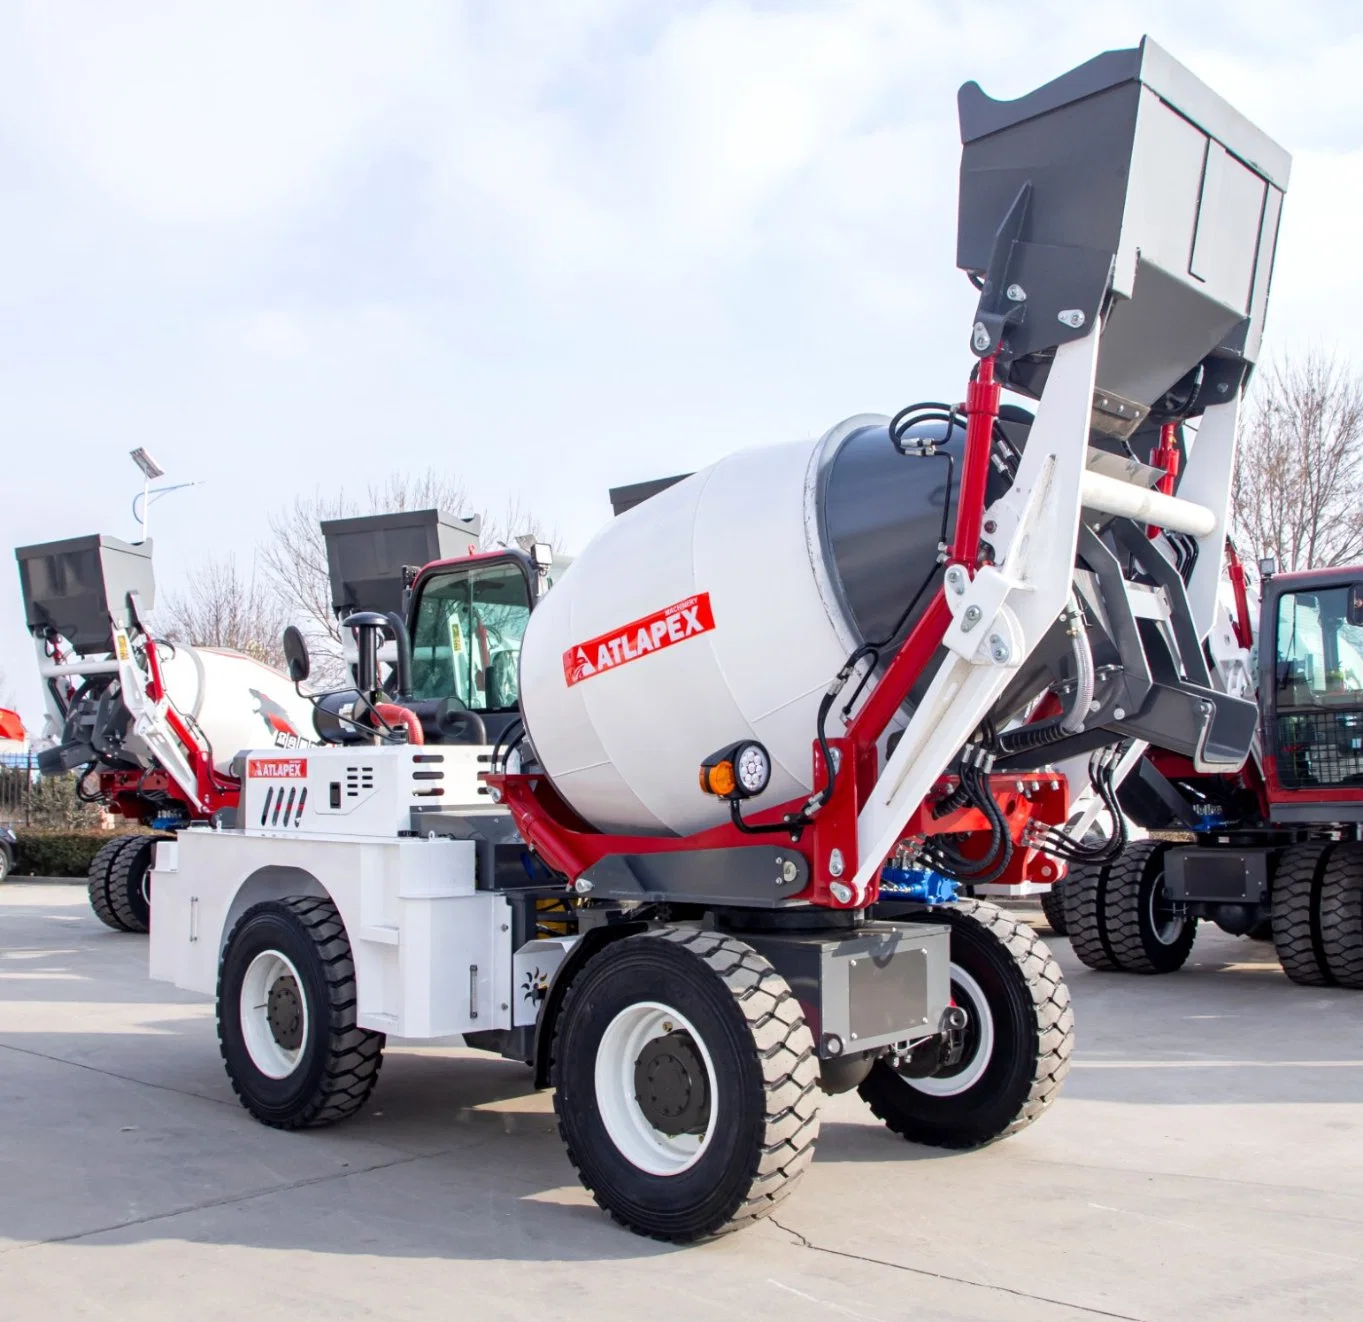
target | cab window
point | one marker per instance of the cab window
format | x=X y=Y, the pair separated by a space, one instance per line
x=466 y=642
x=1320 y=653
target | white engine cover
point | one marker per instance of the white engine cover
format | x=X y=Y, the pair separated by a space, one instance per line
x=698 y=618
x=237 y=702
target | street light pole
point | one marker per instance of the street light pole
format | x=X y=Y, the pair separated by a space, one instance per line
x=150 y=469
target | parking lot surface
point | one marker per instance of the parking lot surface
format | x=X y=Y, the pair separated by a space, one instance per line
x=1205 y=1162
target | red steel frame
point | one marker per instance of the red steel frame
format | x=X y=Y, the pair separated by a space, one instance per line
x=570 y=846
x=213 y=790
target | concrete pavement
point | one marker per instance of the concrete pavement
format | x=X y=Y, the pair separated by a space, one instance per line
x=1205 y=1162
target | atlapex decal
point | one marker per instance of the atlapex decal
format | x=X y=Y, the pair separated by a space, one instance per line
x=277 y=768
x=672 y=624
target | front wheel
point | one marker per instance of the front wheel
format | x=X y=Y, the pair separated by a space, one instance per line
x=686 y=1084
x=286 y=1016
x=1018 y=1038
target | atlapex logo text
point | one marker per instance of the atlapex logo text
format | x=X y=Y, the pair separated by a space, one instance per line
x=284 y=768
x=672 y=624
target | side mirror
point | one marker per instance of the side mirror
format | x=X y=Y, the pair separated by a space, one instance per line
x=296 y=654
x=1356 y=603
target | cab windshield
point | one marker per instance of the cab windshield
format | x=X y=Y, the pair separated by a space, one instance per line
x=1318 y=689
x=1320 y=654
x=466 y=643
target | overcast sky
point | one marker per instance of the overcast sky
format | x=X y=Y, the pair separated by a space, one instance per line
x=550 y=246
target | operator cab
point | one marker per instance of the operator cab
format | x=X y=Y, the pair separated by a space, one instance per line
x=1314 y=724
x=466 y=625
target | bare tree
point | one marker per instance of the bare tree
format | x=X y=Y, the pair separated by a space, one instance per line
x=222 y=607
x=1298 y=493
x=295 y=558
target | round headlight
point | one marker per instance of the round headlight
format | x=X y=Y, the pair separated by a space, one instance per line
x=752 y=767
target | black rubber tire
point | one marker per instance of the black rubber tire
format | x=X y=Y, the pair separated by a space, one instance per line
x=100 y=867
x=1341 y=915
x=1131 y=887
x=1297 y=936
x=129 y=890
x=766 y=1076
x=1033 y=1025
x=340 y=1062
x=1053 y=907
x=1085 y=887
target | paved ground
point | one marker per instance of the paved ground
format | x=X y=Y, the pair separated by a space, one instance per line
x=1206 y=1162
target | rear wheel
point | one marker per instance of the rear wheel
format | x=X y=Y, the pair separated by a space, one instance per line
x=100 y=867
x=1297 y=935
x=1085 y=889
x=129 y=889
x=1053 y=907
x=1341 y=915
x=286 y=1016
x=686 y=1084
x=1143 y=929
x=1018 y=1038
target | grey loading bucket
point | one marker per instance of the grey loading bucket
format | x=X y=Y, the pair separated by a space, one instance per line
x=1125 y=189
x=366 y=556
x=78 y=586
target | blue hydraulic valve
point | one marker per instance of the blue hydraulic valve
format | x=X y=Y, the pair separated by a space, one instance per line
x=922 y=884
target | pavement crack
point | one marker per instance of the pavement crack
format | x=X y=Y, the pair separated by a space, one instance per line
x=804 y=1242
x=227 y=1200
x=114 y=1074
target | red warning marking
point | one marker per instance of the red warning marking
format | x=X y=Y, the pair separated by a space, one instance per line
x=672 y=624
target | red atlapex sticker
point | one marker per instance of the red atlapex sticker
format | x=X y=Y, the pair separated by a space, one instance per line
x=277 y=768
x=672 y=624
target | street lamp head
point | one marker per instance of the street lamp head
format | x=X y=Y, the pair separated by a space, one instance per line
x=151 y=470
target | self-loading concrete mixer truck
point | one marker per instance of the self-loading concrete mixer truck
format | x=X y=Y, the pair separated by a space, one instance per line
x=150 y=726
x=684 y=833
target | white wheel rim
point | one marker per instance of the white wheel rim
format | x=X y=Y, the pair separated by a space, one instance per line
x=1166 y=930
x=639 y=1142
x=951 y=1085
x=264 y=976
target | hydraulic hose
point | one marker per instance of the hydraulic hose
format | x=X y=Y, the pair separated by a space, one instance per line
x=1072 y=722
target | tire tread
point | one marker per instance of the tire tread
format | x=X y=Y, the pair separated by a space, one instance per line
x=1054 y=1017
x=99 y=875
x=790 y=1078
x=1297 y=935
x=1341 y=916
x=354 y=1055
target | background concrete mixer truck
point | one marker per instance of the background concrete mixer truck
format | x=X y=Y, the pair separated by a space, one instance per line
x=692 y=857
x=151 y=726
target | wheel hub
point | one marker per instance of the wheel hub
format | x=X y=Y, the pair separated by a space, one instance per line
x=671 y=1086
x=1166 y=920
x=284 y=1013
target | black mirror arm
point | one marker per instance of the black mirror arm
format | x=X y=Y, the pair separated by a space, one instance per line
x=403 y=640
